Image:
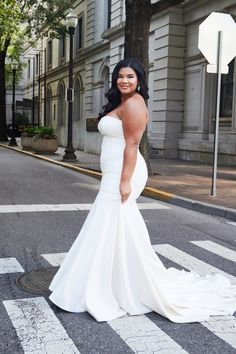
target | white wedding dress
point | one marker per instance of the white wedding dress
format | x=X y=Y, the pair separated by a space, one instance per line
x=112 y=269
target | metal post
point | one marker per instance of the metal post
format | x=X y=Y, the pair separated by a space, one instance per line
x=33 y=96
x=45 y=86
x=12 y=141
x=39 y=88
x=214 y=172
x=69 y=151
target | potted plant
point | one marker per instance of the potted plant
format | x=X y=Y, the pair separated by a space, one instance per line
x=45 y=141
x=26 y=138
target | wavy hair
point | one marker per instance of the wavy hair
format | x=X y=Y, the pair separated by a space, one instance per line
x=113 y=94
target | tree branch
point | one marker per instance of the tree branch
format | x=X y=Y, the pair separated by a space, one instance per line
x=162 y=5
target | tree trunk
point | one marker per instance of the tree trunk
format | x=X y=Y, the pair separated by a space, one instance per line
x=3 y=125
x=138 y=19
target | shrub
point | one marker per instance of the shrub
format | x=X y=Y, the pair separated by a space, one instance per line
x=45 y=133
x=29 y=132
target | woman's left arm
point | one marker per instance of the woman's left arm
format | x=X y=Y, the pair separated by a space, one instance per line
x=134 y=117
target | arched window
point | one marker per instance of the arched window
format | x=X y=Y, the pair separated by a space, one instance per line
x=61 y=105
x=77 y=104
x=48 y=107
x=105 y=80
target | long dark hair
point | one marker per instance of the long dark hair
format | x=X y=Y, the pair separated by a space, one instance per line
x=113 y=94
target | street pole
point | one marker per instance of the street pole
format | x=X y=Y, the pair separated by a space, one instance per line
x=69 y=151
x=45 y=86
x=216 y=135
x=12 y=141
x=33 y=95
x=39 y=88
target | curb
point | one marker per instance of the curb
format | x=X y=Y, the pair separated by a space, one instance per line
x=150 y=192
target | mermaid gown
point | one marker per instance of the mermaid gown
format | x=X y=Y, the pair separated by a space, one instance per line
x=111 y=268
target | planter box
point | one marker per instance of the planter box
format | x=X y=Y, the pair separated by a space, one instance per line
x=26 y=143
x=44 y=146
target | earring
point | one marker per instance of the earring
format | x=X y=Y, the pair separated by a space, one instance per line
x=138 y=88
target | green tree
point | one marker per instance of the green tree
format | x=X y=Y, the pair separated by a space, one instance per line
x=33 y=17
x=138 y=19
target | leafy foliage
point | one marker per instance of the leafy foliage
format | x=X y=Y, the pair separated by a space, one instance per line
x=29 y=132
x=45 y=133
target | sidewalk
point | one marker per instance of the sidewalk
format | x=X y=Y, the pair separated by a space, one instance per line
x=184 y=183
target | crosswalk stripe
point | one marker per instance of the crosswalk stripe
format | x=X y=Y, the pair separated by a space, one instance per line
x=222 y=326
x=188 y=261
x=10 y=265
x=143 y=336
x=38 y=328
x=55 y=259
x=29 y=208
x=233 y=223
x=217 y=249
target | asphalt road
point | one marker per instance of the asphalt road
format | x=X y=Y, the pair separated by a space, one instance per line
x=39 y=215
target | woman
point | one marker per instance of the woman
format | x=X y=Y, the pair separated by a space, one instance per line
x=112 y=269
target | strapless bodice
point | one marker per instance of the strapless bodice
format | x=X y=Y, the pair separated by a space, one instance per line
x=111 y=127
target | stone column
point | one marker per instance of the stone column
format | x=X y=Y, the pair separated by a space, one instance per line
x=168 y=83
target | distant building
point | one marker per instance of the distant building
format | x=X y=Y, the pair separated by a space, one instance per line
x=182 y=93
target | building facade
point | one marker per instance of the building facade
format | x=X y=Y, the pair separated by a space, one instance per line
x=182 y=94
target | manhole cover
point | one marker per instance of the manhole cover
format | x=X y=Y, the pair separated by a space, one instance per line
x=37 y=281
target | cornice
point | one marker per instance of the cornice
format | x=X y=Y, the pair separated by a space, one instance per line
x=114 y=32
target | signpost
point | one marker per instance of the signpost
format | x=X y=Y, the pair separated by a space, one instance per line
x=217 y=42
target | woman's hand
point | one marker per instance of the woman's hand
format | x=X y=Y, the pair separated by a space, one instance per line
x=125 y=191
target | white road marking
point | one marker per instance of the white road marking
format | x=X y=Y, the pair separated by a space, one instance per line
x=143 y=336
x=222 y=326
x=10 y=265
x=55 y=259
x=38 y=328
x=217 y=249
x=30 y=208
x=233 y=223
x=189 y=262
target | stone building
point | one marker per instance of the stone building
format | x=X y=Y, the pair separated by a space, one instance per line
x=182 y=93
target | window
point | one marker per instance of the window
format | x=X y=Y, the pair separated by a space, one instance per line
x=79 y=34
x=62 y=48
x=226 y=97
x=37 y=64
x=105 y=88
x=49 y=52
x=28 y=71
x=61 y=105
x=108 y=13
x=77 y=104
x=47 y=119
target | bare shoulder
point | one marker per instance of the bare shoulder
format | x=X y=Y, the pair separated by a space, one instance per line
x=134 y=108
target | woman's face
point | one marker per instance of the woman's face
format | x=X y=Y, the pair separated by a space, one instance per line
x=127 y=81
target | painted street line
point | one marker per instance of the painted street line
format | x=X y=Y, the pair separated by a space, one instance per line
x=38 y=328
x=30 y=208
x=217 y=249
x=233 y=223
x=143 y=336
x=10 y=265
x=189 y=262
x=222 y=326
x=55 y=259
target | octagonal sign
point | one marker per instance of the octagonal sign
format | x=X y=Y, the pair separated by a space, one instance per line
x=208 y=40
